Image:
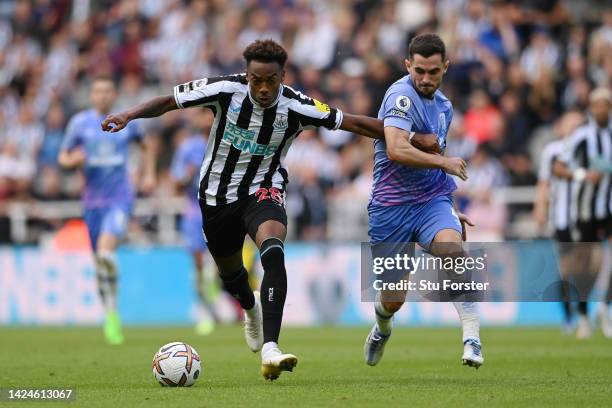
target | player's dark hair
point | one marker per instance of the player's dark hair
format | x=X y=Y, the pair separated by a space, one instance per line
x=265 y=51
x=427 y=45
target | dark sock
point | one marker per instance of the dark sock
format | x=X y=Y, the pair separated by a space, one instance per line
x=582 y=308
x=273 y=287
x=237 y=285
x=567 y=306
x=567 y=311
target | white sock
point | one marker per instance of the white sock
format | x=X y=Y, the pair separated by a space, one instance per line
x=271 y=345
x=383 y=318
x=470 y=320
x=106 y=271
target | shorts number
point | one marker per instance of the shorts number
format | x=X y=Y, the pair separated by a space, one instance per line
x=269 y=193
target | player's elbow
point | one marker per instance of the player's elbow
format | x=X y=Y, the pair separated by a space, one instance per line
x=394 y=154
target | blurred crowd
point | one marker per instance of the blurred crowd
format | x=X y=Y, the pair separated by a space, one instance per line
x=516 y=67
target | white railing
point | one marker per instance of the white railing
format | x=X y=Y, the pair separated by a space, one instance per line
x=347 y=218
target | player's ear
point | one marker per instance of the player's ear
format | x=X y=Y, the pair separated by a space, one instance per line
x=407 y=63
x=282 y=76
x=446 y=64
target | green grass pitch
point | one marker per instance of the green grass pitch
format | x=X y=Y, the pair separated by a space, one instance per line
x=524 y=367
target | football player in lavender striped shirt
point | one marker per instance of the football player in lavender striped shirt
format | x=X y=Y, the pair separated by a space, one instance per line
x=411 y=197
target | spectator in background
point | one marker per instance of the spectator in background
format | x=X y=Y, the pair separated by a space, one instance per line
x=515 y=66
x=481 y=117
x=49 y=184
x=476 y=195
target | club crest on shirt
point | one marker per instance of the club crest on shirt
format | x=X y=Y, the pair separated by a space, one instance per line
x=403 y=103
x=441 y=124
x=280 y=123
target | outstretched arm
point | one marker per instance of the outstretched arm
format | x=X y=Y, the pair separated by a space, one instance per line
x=150 y=109
x=363 y=125
x=374 y=128
x=401 y=151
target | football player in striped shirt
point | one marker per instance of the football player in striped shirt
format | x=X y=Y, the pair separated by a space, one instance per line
x=242 y=178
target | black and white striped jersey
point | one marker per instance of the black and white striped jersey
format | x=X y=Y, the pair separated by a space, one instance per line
x=588 y=146
x=559 y=188
x=248 y=143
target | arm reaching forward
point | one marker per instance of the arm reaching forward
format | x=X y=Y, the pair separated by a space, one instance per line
x=401 y=151
x=150 y=109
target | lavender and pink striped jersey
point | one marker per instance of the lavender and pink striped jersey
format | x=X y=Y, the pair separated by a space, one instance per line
x=404 y=108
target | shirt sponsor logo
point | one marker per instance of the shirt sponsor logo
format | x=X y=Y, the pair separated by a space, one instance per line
x=243 y=140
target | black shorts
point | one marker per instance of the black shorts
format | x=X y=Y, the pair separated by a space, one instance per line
x=594 y=231
x=225 y=226
x=564 y=235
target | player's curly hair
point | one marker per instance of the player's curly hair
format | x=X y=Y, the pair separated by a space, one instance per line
x=265 y=51
x=427 y=45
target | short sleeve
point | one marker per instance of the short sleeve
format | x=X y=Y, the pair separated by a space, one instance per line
x=314 y=113
x=201 y=92
x=72 y=138
x=398 y=111
x=571 y=148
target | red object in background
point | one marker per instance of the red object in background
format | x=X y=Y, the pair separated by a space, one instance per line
x=72 y=237
x=482 y=124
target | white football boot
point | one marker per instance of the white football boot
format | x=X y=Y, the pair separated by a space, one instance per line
x=374 y=346
x=472 y=353
x=606 y=321
x=584 y=330
x=274 y=362
x=253 y=326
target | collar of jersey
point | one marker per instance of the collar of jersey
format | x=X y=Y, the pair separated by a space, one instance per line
x=280 y=92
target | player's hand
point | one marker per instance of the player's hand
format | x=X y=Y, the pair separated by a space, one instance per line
x=427 y=143
x=593 y=176
x=463 y=219
x=115 y=122
x=456 y=166
x=76 y=158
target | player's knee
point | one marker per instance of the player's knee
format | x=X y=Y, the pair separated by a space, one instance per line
x=272 y=253
x=447 y=243
x=270 y=229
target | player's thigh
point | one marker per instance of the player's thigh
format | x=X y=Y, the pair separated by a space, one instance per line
x=224 y=232
x=93 y=219
x=391 y=224
x=265 y=216
x=439 y=224
x=114 y=227
x=229 y=264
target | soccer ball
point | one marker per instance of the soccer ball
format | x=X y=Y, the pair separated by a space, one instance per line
x=176 y=365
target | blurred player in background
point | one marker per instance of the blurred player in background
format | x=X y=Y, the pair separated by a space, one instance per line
x=552 y=207
x=185 y=173
x=411 y=196
x=587 y=162
x=242 y=179
x=109 y=193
